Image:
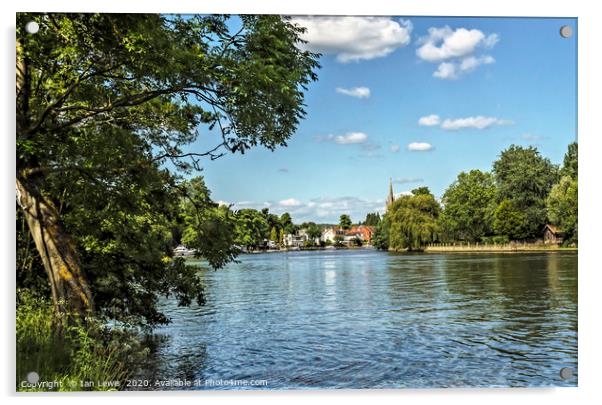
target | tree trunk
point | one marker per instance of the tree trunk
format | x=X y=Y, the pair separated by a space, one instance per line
x=70 y=290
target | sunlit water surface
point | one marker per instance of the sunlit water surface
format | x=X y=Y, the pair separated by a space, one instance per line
x=369 y=319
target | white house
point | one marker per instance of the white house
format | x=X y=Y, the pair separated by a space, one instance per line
x=329 y=234
x=295 y=241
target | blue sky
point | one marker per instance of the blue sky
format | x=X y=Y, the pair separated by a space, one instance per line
x=479 y=85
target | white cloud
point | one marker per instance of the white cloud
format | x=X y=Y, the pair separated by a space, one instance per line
x=394 y=148
x=478 y=122
x=429 y=120
x=408 y=180
x=290 y=202
x=532 y=137
x=471 y=62
x=348 y=138
x=420 y=147
x=446 y=70
x=321 y=210
x=444 y=43
x=454 y=50
x=354 y=38
x=359 y=92
x=491 y=40
x=453 y=70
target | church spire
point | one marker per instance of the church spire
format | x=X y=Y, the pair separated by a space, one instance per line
x=391 y=197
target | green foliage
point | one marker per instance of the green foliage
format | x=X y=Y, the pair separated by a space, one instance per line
x=309 y=243
x=509 y=221
x=495 y=240
x=372 y=219
x=158 y=74
x=570 y=165
x=250 y=228
x=357 y=241
x=562 y=207
x=525 y=178
x=72 y=352
x=345 y=222
x=468 y=207
x=287 y=223
x=208 y=227
x=421 y=191
x=338 y=241
x=380 y=237
x=313 y=230
x=108 y=101
x=413 y=221
x=274 y=234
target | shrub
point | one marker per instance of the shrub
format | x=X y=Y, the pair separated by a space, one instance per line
x=70 y=352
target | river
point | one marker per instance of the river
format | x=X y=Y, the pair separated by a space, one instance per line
x=368 y=319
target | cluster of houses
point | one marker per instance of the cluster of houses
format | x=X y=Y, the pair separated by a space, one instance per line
x=331 y=236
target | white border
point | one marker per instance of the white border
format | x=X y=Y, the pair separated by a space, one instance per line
x=590 y=279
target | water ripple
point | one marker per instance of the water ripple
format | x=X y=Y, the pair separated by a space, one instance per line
x=366 y=319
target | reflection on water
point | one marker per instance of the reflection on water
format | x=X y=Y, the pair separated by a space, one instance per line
x=367 y=319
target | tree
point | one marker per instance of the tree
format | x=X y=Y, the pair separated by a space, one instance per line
x=570 y=165
x=421 y=191
x=208 y=227
x=562 y=202
x=250 y=228
x=104 y=101
x=562 y=207
x=273 y=223
x=413 y=221
x=468 y=206
x=313 y=231
x=274 y=234
x=345 y=222
x=287 y=223
x=509 y=221
x=525 y=178
x=380 y=237
x=372 y=219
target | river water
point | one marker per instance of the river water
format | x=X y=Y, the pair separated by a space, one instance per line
x=369 y=319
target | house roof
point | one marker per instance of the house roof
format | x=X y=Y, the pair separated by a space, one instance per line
x=554 y=229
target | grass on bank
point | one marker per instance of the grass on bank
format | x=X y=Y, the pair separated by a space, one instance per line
x=68 y=358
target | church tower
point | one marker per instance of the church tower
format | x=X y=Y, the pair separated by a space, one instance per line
x=390 y=197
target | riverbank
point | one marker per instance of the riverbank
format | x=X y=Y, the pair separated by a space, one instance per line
x=305 y=249
x=510 y=247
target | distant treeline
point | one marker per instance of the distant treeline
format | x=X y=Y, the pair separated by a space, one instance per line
x=203 y=224
x=523 y=192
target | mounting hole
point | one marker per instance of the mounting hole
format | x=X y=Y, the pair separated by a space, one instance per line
x=32 y=27
x=33 y=377
x=566 y=31
x=566 y=373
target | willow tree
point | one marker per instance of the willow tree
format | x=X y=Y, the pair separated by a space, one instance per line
x=412 y=220
x=105 y=102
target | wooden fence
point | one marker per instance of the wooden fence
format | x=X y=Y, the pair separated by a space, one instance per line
x=484 y=247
